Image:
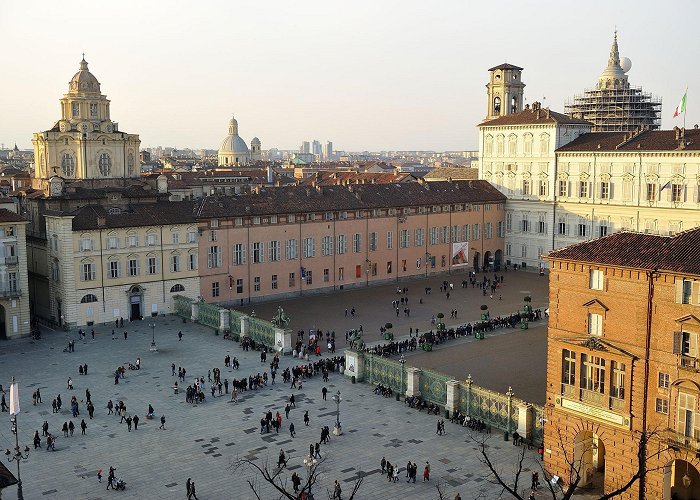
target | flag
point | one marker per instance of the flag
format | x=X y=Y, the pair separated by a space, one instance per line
x=14 y=398
x=668 y=184
x=681 y=105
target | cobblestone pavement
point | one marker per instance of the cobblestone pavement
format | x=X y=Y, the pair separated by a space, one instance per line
x=202 y=441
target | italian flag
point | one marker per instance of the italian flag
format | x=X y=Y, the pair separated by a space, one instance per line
x=681 y=105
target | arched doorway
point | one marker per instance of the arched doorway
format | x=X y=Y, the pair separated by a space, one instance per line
x=135 y=294
x=3 y=324
x=477 y=260
x=498 y=259
x=488 y=261
x=589 y=452
x=681 y=481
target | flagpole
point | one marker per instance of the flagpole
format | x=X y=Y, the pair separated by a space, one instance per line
x=686 y=106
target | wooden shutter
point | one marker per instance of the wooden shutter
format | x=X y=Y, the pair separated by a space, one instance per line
x=677 y=342
x=679 y=291
x=695 y=292
x=610 y=191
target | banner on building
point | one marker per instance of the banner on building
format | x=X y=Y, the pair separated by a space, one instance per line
x=460 y=254
x=14 y=398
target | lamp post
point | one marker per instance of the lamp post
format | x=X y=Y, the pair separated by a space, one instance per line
x=427 y=258
x=337 y=430
x=17 y=455
x=402 y=360
x=509 y=395
x=153 y=341
x=310 y=462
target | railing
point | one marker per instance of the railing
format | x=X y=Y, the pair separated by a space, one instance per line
x=234 y=321
x=594 y=397
x=12 y=292
x=261 y=331
x=208 y=315
x=388 y=372
x=689 y=363
x=433 y=386
x=11 y=260
x=489 y=406
x=183 y=306
x=617 y=404
x=677 y=439
x=569 y=391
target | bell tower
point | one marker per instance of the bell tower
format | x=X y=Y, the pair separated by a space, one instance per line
x=505 y=91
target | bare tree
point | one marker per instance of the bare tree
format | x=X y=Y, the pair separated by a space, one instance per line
x=557 y=489
x=276 y=477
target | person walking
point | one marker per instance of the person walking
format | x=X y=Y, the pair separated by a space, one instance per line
x=193 y=491
x=291 y=429
x=129 y=420
x=426 y=472
x=337 y=491
x=383 y=464
x=188 y=485
x=306 y=418
x=324 y=391
x=162 y=422
x=83 y=426
x=136 y=422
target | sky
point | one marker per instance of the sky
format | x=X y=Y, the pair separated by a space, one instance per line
x=366 y=75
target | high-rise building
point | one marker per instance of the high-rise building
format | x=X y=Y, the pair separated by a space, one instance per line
x=305 y=147
x=614 y=105
x=316 y=147
x=328 y=151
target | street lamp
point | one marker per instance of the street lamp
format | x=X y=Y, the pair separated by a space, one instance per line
x=402 y=360
x=153 y=341
x=337 y=430
x=17 y=455
x=427 y=258
x=310 y=462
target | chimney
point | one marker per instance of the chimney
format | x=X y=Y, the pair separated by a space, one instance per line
x=678 y=132
x=537 y=113
x=101 y=221
x=548 y=114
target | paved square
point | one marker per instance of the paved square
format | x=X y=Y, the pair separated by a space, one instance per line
x=202 y=441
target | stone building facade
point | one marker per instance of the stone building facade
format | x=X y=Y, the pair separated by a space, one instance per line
x=14 y=289
x=623 y=360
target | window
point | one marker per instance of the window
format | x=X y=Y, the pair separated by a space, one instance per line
x=177 y=288
x=509 y=222
x=677 y=193
x=488 y=231
x=583 y=189
x=309 y=248
x=258 y=252
x=662 y=405
x=444 y=234
x=273 y=282
x=404 y=238
x=152 y=239
x=105 y=164
x=617 y=383
x=603 y=229
x=326 y=275
x=292 y=280
x=12 y=282
x=342 y=246
x=563 y=188
x=477 y=234
x=213 y=235
x=85 y=244
x=308 y=275
x=93 y=110
x=596 y=279
x=89 y=298
x=68 y=165
x=455 y=234
x=238 y=254
x=55 y=270
x=501 y=229
x=595 y=324
x=256 y=284
x=291 y=250
x=689 y=344
x=651 y=192
x=274 y=250
x=523 y=251
x=525 y=225
x=132 y=240
x=175 y=264
x=592 y=373
x=434 y=235
x=239 y=285
x=152 y=265
x=687 y=418
x=75 y=109
x=256 y=220
x=191 y=236
x=605 y=190
x=130 y=163
x=543 y=188
x=389 y=240
x=582 y=229
x=561 y=226
x=214 y=223
x=213 y=258
x=568 y=367
x=191 y=261
x=215 y=289
x=88 y=272
x=419 y=236
x=356 y=242
x=327 y=246
x=133 y=265
x=114 y=271
x=526 y=187
x=372 y=241
x=175 y=237
x=341 y=273
x=663 y=380
x=541 y=224
x=509 y=249
x=627 y=190
x=112 y=243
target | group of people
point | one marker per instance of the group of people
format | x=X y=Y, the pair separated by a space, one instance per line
x=392 y=471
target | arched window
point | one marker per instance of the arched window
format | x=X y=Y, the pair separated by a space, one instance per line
x=496 y=105
x=88 y=299
x=130 y=163
x=105 y=164
x=68 y=165
x=488 y=145
x=177 y=288
x=514 y=103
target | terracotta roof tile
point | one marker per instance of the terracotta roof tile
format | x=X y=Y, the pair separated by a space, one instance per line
x=145 y=214
x=531 y=116
x=679 y=253
x=10 y=216
x=650 y=140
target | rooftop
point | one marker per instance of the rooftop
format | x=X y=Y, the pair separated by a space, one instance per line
x=534 y=115
x=92 y=217
x=649 y=140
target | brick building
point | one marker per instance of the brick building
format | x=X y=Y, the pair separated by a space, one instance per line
x=623 y=360
x=300 y=239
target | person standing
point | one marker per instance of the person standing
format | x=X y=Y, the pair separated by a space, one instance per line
x=426 y=472
x=83 y=426
x=136 y=422
x=128 y=422
x=324 y=391
x=291 y=429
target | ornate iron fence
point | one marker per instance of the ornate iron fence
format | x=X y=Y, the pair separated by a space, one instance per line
x=385 y=371
x=488 y=406
x=433 y=386
x=208 y=315
x=183 y=306
x=261 y=331
x=234 y=321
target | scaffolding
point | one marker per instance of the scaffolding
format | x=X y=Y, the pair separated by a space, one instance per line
x=622 y=109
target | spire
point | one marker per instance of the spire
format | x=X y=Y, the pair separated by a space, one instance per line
x=83 y=63
x=614 y=59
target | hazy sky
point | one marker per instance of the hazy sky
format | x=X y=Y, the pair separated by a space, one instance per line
x=364 y=74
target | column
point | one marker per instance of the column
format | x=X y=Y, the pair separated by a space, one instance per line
x=195 y=311
x=525 y=420
x=412 y=381
x=355 y=365
x=245 y=325
x=452 y=396
x=283 y=340
x=223 y=320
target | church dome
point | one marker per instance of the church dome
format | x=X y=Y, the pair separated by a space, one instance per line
x=84 y=81
x=233 y=143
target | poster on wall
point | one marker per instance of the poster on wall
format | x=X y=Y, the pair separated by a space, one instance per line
x=460 y=254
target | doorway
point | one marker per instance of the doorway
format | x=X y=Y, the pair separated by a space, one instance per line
x=498 y=260
x=589 y=452
x=3 y=325
x=477 y=260
x=135 y=303
x=681 y=481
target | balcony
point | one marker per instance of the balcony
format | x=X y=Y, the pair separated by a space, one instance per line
x=617 y=404
x=677 y=440
x=11 y=260
x=593 y=397
x=11 y=293
x=688 y=363
x=569 y=391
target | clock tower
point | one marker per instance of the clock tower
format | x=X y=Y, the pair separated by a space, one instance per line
x=505 y=91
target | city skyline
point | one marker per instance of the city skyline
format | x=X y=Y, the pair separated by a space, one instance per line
x=382 y=76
